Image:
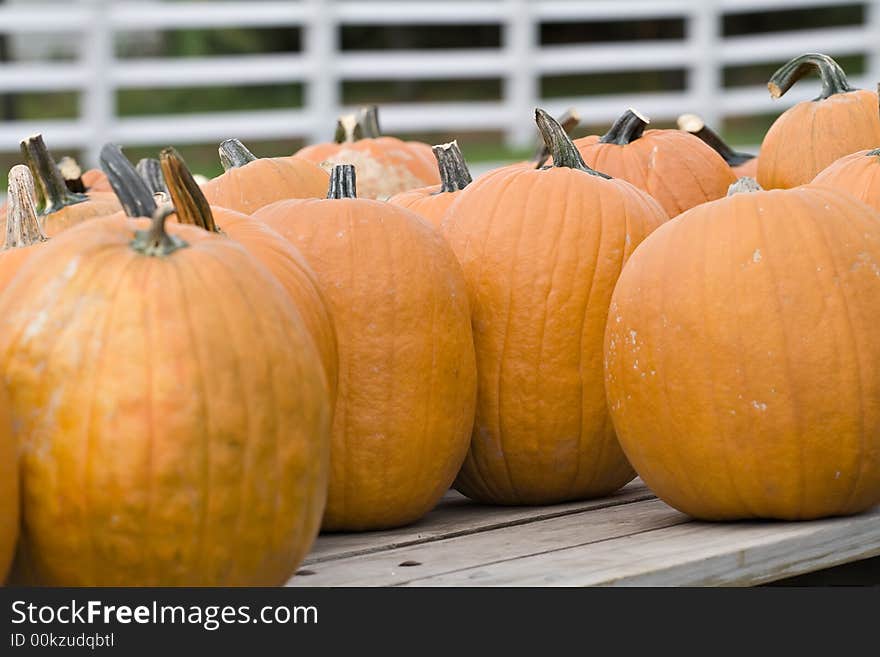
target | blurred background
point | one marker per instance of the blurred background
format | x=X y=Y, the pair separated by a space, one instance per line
x=276 y=74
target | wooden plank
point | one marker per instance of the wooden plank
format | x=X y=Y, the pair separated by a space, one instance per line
x=458 y=516
x=693 y=554
x=401 y=565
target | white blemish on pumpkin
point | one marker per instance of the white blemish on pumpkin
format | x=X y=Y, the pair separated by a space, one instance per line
x=865 y=260
x=71 y=268
x=837 y=475
x=653 y=372
x=627 y=239
x=618 y=319
x=35 y=325
x=760 y=406
x=632 y=335
x=340 y=234
x=756 y=256
x=732 y=412
x=643 y=375
x=636 y=364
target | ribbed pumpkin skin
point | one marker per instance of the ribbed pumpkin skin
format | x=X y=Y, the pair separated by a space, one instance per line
x=407 y=380
x=427 y=202
x=541 y=251
x=811 y=135
x=248 y=188
x=673 y=166
x=293 y=272
x=385 y=165
x=172 y=413
x=95 y=180
x=9 y=494
x=743 y=359
x=11 y=260
x=857 y=174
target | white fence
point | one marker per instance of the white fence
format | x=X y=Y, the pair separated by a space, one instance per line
x=322 y=66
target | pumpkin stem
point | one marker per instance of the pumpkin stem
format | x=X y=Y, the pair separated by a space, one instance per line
x=39 y=196
x=561 y=148
x=368 y=120
x=192 y=206
x=133 y=193
x=628 y=127
x=569 y=120
x=155 y=241
x=234 y=154
x=745 y=185
x=343 y=183
x=46 y=174
x=22 y=226
x=833 y=78
x=454 y=173
x=150 y=171
x=72 y=174
x=695 y=125
x=347 y=129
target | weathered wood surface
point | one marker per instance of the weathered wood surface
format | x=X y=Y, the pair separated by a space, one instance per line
x=628 y=539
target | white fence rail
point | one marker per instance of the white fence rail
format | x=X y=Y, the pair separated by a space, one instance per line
x=322 y=66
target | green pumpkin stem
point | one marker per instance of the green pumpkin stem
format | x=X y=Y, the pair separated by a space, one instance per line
x=234 y=154
x=39 y=196
x=186 y=195
x=569 y=120
x=150 y=171
x=134 y=195
x=72 y=174
x=697 y=127
x=155 y=241
x=559 y=144
x=343 y=183
x=628 y=127
x=46 y=175
x=832 y=76
x=22 y=226
x=454 y=172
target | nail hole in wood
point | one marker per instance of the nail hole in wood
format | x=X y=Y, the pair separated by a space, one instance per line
x=305 y=573
x=408 y=564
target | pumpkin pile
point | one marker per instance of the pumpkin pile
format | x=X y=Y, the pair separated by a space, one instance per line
x=201 y=375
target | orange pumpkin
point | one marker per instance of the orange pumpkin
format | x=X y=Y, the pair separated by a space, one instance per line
x=386 y=165
x=728 y=329
x=250 y=183
x=433 y=202
x=9 y=488
x=174 y=429
x=744 y=165
x=674 y=167
x=857 y=173
x=811 y=135
x=541 y=250
x=278 y=255
x=91 y=181
x=406 y=392
x=23 y=232
x=57 y=207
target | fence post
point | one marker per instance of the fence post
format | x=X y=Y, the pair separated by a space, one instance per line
x=521 y=86
x=705 y=82
x=873 y=24
x=322 y=90
x=97 y=99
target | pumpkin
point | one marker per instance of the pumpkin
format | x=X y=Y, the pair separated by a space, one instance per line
x=386 y=165
x=743 y=164
x=23 y=232
x=174 y=430
x=727 y=330
x=277 y=254
x=856 y=174
x=433 y=202
x=811 y=135
x=541 y=250
x=407 y=380
x=9 y=488
x=249 y=182
x=674 y=167
x=57 y=207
